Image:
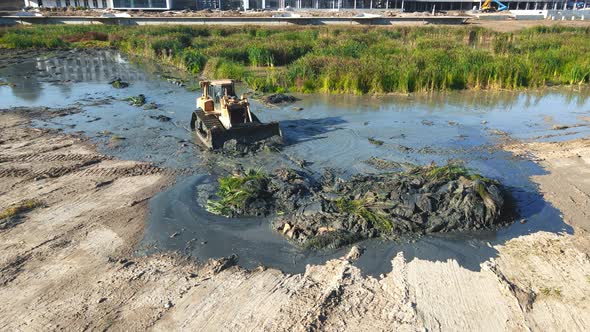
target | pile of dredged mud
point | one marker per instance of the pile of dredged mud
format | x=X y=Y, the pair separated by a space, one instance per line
x=332 y=212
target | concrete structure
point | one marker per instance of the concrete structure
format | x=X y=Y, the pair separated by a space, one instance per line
x=403 y=5
x=116 y=4
x=69 y=3
x=244 y=20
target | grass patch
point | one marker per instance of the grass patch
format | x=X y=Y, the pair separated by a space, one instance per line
x=360 y=209
x=453 y=171
x=448 y=172
x=232 y=193
x=19 y=208
x=550 y=292
x=356 y=60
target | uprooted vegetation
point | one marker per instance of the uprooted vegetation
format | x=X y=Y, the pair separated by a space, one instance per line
x=336 y=212
x=237 y=191
x=138 y=100
x=356 y=60
x=118 y=83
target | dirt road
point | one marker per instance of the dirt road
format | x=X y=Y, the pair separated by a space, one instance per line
x=69 y=263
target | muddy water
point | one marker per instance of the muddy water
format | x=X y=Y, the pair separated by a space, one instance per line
x=330 y=131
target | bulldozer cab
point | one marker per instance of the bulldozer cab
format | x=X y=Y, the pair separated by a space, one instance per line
x=219 y=97
x=220 y=89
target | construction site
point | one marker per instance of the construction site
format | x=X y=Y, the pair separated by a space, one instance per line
x=294 y=165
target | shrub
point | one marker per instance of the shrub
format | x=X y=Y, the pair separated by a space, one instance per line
x=193 y=60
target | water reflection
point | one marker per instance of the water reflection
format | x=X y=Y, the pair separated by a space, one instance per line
x=64 y=69
x=467 y=100
x=99 y=66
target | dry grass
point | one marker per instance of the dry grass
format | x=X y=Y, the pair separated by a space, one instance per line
x=19 y=208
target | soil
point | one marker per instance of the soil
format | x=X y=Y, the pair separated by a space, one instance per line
x=568 y=184
x=279 y=98
x=70 y=263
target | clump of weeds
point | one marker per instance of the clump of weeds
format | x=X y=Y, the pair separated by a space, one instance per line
x=10 y=215
x=550 y=292
x=119 y=84
x=138 y=100
x=361 y=209
x=234 y=192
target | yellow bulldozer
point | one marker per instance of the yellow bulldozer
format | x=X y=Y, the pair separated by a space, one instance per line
x=222 y=116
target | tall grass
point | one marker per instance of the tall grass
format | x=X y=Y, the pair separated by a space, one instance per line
x=343 y=60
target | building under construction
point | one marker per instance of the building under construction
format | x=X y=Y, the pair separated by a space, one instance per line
x=402 y=5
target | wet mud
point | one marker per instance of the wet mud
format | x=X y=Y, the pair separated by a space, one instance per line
x=329 y=131
x=335 y=212
x=279 y=98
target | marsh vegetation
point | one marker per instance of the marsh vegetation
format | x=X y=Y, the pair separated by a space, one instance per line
x=357 y=60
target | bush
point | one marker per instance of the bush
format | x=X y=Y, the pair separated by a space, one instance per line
x=193 y=60
x=11 y=40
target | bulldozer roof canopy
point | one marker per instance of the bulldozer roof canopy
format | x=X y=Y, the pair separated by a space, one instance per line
x=221 y=82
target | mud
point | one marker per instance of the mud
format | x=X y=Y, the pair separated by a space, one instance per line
x=279 y=98
x=383 y=164
x=393 y=205
x=334 y=212
x=239 y=149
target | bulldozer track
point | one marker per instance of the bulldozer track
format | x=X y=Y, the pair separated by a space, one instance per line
x=52 y=160
x=209 y=121
x=14 y=172
x=138 y=170
x=35 y=157
x=57 y=171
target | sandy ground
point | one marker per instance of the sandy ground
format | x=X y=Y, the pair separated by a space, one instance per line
x=567 y=186
x=70 y=265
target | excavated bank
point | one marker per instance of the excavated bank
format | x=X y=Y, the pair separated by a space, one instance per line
x=333 y=212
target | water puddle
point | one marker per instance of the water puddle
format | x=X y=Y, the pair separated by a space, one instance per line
x=330 y=131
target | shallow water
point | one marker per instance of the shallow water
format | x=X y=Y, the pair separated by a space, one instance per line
x=330 y=131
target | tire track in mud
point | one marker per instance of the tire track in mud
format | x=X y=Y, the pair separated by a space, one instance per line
x=14 y=172
x=136 y=170
x=50 y=171
x=83 y=170
x=37 y=157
